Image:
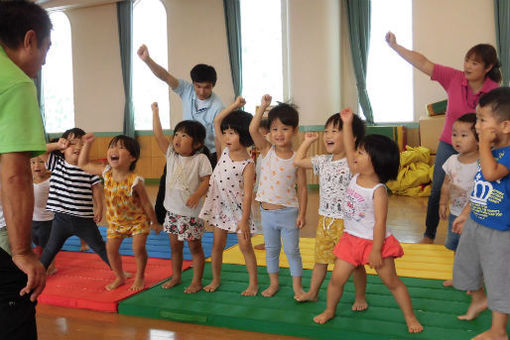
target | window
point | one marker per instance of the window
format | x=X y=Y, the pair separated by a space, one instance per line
x=150 y=28
x=389 y=77
x=57 y=77
x=262 y=58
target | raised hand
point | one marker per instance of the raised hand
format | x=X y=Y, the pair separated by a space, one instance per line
x=347 y=115
x=88 y=137
x=266 y=100
x=143 y=53
x=240 y=102
x=487 y=135
x=391 y=39
x=155 y=107
x=311 y=136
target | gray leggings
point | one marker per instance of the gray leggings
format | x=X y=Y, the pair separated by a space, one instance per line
x=65 y=226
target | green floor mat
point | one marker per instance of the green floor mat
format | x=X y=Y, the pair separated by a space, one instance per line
x=435 y=306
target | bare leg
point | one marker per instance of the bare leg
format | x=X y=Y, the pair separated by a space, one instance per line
x=360 y=287
x=388 y=275
x=112 y=250
x=478 y=305
x=176 y=247
x=274 y=285
x=318 y=275
x=497 y=330
x=198 y=260
x=141 y=261
x=220 y=239
x=251 y=265
x=339 y=277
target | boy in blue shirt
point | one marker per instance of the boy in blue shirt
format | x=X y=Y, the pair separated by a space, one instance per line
x=484 y=247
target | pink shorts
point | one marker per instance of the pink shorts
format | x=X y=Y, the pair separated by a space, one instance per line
x=356 y=250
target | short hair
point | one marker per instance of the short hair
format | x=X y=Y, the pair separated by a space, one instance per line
x=286 y=113
x=358 y=126
x=264 y=124
x=239 y=121
x=203 y=73
x=196 y=131
x=384 y=154
x=487 y=55
x=469 y=118
x=19 y=17
x=130 y=144
x=75 y=132
x=499 y=102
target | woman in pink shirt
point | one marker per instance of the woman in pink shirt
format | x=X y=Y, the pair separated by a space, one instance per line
x=464 y=88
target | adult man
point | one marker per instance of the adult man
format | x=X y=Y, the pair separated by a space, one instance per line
x=24 y=41
x=199 y=102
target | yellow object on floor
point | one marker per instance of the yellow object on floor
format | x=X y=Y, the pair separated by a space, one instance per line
x=425 y=261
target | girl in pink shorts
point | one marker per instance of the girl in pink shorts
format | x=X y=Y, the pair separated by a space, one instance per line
x=365 y=239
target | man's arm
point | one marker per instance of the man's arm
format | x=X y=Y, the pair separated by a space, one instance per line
x=160 y=72
x=18 y=206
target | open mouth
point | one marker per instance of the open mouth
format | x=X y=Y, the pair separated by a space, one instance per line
x=114 y=158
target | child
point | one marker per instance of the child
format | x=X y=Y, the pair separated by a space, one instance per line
x=228 y=203
x=334 y=177
x=128 y=210
x=187 y=180
x=282 y=211
x=459 y=171
x=366 y=239
x=75 y=197
x=42 y=218
x=483 y=251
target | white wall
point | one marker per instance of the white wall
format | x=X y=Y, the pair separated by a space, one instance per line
x=314 y=58
x=320 y=79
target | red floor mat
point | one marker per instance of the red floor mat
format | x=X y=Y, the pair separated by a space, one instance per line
x=81 y=278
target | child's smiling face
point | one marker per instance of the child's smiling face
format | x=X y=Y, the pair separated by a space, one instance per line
x=333 y=139
x=119 y=157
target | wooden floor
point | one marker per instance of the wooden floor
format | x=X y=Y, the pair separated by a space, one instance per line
x=406 y=218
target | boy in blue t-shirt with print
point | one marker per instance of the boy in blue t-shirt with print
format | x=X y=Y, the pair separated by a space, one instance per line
x=484 y=246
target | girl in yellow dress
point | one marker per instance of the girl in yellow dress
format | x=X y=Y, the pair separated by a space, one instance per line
x=128 y=210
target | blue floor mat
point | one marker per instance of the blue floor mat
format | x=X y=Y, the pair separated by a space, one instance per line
x=158 y=246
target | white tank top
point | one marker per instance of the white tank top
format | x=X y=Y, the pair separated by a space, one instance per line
x=277 y=183
x=359 y=215
x=41 y=191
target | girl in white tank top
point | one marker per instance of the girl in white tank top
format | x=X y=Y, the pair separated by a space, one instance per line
x=366 y=239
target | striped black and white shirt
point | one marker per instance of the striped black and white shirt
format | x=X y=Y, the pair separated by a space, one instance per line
x=70 y=188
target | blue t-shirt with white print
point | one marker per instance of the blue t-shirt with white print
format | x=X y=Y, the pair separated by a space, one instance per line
x=490 y=200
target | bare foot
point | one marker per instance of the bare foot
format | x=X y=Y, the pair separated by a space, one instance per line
x=323 y=317
x=138 y=285
x=359 y=305
x=474 y=309
x=270 y=291
x=128 y=275
x=251 y=291
x=171 y=283
x=448 y=283
x=211 y=287
x=306 y=297
x=427 y=240
x=260 y=246
x=491 y=335
x=52 y=270
x=115 y=284
x=84 y=247
x=413 y=325
x=193 y=288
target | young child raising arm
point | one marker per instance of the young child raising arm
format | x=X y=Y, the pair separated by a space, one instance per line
x=375 y=161
x=334 y=177
x=187 y=181
x=128 y=209
x=227 y=205
x=282 y=209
